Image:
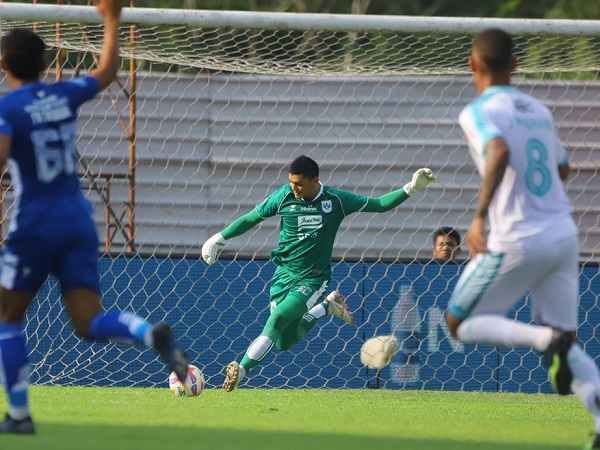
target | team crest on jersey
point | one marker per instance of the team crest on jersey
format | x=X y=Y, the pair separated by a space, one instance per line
x=326 y=206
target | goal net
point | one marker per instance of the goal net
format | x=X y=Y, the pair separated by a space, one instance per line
x=208 y=111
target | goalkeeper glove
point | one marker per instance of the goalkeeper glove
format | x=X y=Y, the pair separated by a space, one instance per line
x=420 y=179
x=211 y=248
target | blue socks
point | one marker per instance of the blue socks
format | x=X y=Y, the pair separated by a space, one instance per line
x=121 y=327
x=14 y=365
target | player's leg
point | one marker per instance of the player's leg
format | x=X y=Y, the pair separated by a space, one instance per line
x=77 y=273
x=292 y=299
x=285 y=314
x=333 y=305
x=490 y=285
x=555 y=303
x=14 y=362
x=308 y=293
x=23 y=271
x=91 y=322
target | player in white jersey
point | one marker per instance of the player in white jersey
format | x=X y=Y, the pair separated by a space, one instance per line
x=532 y=245
x=52 y=230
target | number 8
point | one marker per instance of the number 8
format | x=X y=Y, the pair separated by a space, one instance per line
x=537 y=176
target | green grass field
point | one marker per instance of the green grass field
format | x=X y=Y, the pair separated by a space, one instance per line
x=126 y=418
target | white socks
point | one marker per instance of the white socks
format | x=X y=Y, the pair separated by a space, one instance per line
x=500 y=331
x=260 y=348
x=318 y=311
x=242 y=373
x=586 y=381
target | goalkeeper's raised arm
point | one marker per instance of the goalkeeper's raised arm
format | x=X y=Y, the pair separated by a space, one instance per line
x=420 y=179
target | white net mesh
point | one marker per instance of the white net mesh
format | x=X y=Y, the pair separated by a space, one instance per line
x=207 y=114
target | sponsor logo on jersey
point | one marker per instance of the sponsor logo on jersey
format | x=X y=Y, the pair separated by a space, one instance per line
x=308 y=208
x=48 y=109
x=326 y=206
x=522 y=106
x=309 y=222
x=308 y=226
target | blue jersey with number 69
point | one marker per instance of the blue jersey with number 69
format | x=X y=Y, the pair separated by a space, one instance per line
x=40 y=119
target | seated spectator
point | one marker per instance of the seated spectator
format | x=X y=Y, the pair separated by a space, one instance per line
x=446 y=243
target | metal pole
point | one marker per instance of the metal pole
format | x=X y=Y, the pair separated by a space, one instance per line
x=59 y=57
x=132 y=136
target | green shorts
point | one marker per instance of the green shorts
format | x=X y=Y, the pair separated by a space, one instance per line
x=309 y=290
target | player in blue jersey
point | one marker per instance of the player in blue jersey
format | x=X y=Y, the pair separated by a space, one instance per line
x=51 y=230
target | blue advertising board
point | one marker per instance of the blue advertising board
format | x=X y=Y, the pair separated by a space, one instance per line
x=217 y=311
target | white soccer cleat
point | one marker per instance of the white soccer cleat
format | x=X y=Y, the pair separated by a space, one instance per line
x=338 y=307
x=232 y=376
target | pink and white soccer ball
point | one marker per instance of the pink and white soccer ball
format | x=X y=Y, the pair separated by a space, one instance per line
x=193 y=386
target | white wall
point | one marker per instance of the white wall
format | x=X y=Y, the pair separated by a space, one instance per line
x=210 y=148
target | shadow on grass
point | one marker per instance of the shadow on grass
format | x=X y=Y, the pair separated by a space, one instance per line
x=52 y=436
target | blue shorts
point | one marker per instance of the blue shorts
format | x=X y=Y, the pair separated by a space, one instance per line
x=66 y=248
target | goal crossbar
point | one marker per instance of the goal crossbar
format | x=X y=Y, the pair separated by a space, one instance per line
x=301 y=21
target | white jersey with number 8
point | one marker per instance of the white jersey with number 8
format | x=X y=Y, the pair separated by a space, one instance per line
x=530 y=207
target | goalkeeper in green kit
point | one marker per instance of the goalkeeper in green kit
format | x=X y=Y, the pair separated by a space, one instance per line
x=311 y=215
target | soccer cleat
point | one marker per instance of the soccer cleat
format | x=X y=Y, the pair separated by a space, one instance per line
x=559 y=372
x=165 y=345
x=13 y=426
x=232 y=376
x=594 y=444
x=338 y=306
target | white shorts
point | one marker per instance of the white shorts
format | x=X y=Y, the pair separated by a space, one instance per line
x=493 y=283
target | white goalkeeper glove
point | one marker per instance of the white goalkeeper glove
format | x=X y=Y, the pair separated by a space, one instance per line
x=420 y=179
x=210 y=249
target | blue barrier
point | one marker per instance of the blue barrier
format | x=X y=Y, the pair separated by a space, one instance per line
x=218 y=310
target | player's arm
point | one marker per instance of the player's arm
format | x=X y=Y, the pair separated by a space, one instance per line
x=238 y=227
x=108 y=63
x=420 y=179
x=497 y=156
x=564 y=171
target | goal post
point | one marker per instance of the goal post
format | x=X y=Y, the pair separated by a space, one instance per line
x=209 y=109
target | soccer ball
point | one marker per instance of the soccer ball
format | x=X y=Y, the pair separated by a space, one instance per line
x=379 y=351
x=193 y=386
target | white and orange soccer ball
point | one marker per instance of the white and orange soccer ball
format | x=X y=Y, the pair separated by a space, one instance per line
x=193 y=386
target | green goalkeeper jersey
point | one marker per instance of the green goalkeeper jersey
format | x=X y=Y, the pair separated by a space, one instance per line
x=308 y=228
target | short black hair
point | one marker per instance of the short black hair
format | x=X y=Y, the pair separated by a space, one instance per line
x=23 y=52
x=305 y=166
x=446 y=231
x=495 y=47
